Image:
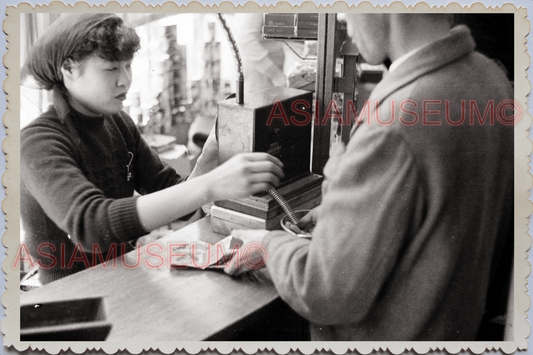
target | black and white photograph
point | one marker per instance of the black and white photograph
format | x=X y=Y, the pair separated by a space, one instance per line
x=241 y=178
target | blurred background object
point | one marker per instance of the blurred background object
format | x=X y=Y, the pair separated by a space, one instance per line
x=263 y=60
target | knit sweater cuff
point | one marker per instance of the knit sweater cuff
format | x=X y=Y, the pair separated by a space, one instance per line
x=124 y=219
x=46 y=275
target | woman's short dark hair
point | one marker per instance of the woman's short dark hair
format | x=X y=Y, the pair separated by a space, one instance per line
x=111 y=40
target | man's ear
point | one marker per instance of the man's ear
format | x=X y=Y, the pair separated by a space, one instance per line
x=70 y=69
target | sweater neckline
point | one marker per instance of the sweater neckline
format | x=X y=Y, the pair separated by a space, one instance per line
x=88 y=121
x=64 y=110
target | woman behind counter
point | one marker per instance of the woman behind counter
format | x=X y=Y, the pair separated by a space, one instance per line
x=82 y=160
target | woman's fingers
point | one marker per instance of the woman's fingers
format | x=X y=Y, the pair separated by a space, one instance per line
x=258 y=156
x=264 y=169
x=245 y=174
x=262 y=162
x=265 y=178
x=260 y=187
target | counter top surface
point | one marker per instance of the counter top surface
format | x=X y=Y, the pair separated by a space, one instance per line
x=148 y=303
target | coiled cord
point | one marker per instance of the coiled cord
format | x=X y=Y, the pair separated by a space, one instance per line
x=284 y=204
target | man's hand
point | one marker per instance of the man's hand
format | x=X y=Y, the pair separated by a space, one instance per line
x=309 y=219
x=252 y=255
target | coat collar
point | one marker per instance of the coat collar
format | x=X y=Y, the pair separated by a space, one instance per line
x=429 y=58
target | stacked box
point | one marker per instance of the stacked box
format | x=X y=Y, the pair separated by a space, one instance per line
x=263 y=212
x=291 y=26
x=311 y=16
x=279 y=20
x=307 y=33
x=279 y=31
x=307 y=26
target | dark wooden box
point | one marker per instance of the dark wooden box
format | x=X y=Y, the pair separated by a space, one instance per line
x=73 y=320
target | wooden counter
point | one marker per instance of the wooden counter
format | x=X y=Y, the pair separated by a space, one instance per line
x=145 y=303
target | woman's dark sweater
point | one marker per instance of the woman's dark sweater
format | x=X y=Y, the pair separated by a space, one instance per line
x=76 y=195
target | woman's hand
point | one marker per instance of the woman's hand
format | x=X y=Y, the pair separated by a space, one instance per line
x=244 y=174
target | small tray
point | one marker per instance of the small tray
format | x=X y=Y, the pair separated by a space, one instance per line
x=73 y=320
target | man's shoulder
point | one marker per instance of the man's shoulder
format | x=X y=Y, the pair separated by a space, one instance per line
x=474 y=76
x=446 y=96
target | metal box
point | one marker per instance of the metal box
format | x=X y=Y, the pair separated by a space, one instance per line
x=277 y=121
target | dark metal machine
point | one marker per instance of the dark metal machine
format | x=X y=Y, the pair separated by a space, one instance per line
x=276 y=121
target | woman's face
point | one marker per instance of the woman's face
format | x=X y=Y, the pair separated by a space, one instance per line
x=97 y=86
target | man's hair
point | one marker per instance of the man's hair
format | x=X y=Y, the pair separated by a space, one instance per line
x=110 y=40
